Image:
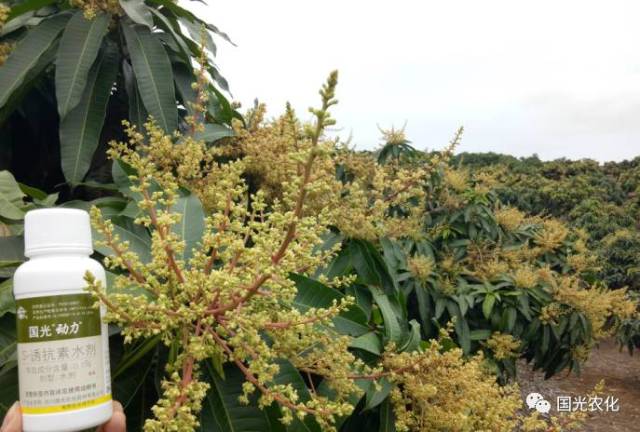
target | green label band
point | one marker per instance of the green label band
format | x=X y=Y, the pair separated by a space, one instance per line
x=54 y=318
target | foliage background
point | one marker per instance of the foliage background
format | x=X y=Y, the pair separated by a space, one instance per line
x=449 y=248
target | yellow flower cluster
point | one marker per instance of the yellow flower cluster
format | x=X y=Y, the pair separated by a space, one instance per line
x=510 y=218
x=92 y=7
x=421 y=267
x=4 y=14
x=525 y=277
x=224 y=300
x=443 y=391
x=393 y=136
x=456 y=179
x=5 y=50
x=504 y=346
x=270 y=195
x=552 y=235
x=598 y=304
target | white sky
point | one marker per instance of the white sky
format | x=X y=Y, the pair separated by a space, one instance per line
x=557 y=78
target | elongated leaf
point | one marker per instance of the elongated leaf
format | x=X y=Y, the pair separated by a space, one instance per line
x=134 y=355
x=80 y=130
x=221 y=409
x=374 y=396
x=175 y=9
x=387 y=417
x=183 y=76
x=11 y=250
x=8 y=353
x=213 y=132
x=170 y=25
x=9 y=393
x=390 y=314
x=369 y=342
x=195 y=31
x=79 y=46
x=313 y=294
x=191 y=225
x=288 y=374
x=369 y=264
x=413 y=339
x=138 y=12
x=153 y=75
x=27 y=6
x=10 y=209
x=139 y=242
x=32 y=78
x=27 y=53
x=9 y=187
x=6 y=297
x=137 y=113
x=487 y=305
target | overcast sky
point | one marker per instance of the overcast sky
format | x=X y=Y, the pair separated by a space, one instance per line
x=557 y=78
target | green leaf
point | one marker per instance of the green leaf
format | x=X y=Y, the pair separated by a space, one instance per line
x=213 y=132
x=27 y=53
x=9 y=393
x=171 y=27
x=288 y=374
x=80 y=130
x=7 y=303
x=191 y=225
x=175 y=9
x=374 y=396
x=79 y=47
x=313 y=294
x=370 y=265
x=9 y=187
x=32 y=78
x=487 y=305
x=137 y=113
x=413 y=339
x=390 y=314
x=184 y=77
x=369 y=342
x=31 y=191
x=153 y=75
x=10 y=210
x=221 y=409
x=11 y=250
x=138 y=12
x=387 y=417
x=464 y=336
x=195 y=31
x=11 y=204
x=479 y=334
x=131 y=357
x=19 y=8
x=8 y=354
x=139 y=241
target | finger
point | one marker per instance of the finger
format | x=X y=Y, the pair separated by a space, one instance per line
x=13 y=420
x=118 y=422
x=117 y=407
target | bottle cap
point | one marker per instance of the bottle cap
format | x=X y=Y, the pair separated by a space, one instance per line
x=57 y=229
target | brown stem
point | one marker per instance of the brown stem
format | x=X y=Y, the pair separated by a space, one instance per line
x=249 y=376
x=120 y=254
x=163 y=236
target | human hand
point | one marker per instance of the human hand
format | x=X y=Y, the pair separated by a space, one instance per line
x=13 y=420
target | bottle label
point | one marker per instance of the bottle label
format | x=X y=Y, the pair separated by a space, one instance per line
x=61 y=355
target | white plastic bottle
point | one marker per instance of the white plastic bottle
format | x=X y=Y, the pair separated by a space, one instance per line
x=63 y=346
